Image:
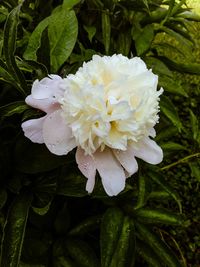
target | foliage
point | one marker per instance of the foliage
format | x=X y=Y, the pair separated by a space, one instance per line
x=47 y=217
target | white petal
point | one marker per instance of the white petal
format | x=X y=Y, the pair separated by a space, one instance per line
x=57 y=135
x=127 y=160
x=152 y=132
x=149 y=151
x=46 y=87
x=33 y=129
x=46 y=105
x=86 y=165
x=111 y=172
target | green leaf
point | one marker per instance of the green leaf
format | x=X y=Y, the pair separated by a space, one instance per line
x=170 y=85
x=38 y=158
x=157 y=66
x=62 y=261
x=106 y=31
x=14 y=230
x=35 y=40
x=91 y=31
x=142 y=192
x=124 y=42
x=62 y=221
x=30 y=66
x=195 y=126
x=62 y=31
x=86 y=226
x=159 y=195
x=10 y=35
x=147 y=254
x=157 y=245
x=191 y=68
x=167 y=107
x=17 y=107
x=81 y=253
x=171 y=146
x=195 y=169
x=69 y=4
x=144 y=40
x=159 y=179
x=125 y=249
x=111 y=226
x=72 y=185
x=154 y=216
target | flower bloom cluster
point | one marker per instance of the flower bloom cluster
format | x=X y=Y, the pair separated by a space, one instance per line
x=108 y=110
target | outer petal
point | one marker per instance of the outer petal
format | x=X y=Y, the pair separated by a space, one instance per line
x=33 y=129
x=111 y=172
x=87 y=166
x=57 y=135
x=149 y=151
x=127 y=160
x=46 y=87
x=46 y=105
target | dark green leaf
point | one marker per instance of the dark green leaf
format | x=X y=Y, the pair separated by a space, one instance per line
x=157 y=66
x=37 y=159
x=147 y=254
x=195 y=169
x=3 y=198
x=14 y=230
x=160 y=248
x=62 y=261
x=91 y=30
x=168 y=108
x=144 y=40
x=124 y=42
x=154 y=216
x=171 y=146
x=17 y=107
x=81 y=253
x=125 y=248
x=159 y=179
x=142 y=192
x=106 y=30
x=111 y=226
x=10 y=35
x=86 y=226
x=35 y=40
x=170 y=85
x=195 y=126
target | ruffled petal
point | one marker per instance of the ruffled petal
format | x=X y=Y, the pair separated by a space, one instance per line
x=46 y=105
x=33 y=129
x=57 y=135
x=127 y=160
x=111 y=172
x=45 y=88
x=86 y=165
x=149 y=151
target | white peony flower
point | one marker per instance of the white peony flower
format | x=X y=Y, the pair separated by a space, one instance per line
x=108 y=110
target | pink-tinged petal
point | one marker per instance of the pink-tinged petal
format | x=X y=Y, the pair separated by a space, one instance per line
x=46 y=105
x=149 y=151
x=46 y=87
x=57 y=135
x=111 y=172
x=33 y=129
x=86 y=165
x=127 y=160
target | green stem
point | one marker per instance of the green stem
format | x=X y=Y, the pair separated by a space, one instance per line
x=180 y=161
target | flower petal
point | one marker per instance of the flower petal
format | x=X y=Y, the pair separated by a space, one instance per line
x=33 y=129
x=111 y=172
x=46 y=87
x=149 y=151
x=86 y=165
x=46 y=105
x=127 y=160
x=57 y=135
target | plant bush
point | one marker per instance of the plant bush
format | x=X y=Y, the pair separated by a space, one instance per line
x=47 y=217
